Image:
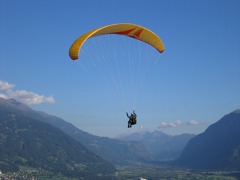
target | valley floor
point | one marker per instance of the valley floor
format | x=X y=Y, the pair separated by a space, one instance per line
x=133 y=172
x=155 y=172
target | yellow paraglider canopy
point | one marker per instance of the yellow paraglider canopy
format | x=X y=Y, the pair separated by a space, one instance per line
x=131 y=30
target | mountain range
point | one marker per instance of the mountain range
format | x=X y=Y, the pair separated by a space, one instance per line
x=216 y=148
x=151 y=146
x=112 y=150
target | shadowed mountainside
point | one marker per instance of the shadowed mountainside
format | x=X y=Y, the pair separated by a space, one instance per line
x=28 y=142
x=216 y=148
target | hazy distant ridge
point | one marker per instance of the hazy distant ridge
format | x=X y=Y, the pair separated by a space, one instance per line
x=162 y=146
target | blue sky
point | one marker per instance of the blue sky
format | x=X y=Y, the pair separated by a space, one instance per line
x=192 y=85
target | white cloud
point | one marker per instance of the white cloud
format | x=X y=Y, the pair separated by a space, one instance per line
x=3 y=96
x=170 y=124
x=27 y=97
x=178 y=123
x=193 y=122
x=5 y=86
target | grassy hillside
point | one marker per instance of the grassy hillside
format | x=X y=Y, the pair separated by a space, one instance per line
x=28 y=142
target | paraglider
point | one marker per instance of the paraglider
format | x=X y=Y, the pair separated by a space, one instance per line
x=132 y=119
x=125 y=29
x=131 y=30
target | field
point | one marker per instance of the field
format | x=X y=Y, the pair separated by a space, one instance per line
x=133 y=172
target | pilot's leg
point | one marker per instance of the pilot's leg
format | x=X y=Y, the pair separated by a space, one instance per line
x=129 y=124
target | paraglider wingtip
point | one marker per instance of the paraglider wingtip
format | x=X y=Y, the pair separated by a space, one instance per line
x=160 y=50
x=74 y=58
